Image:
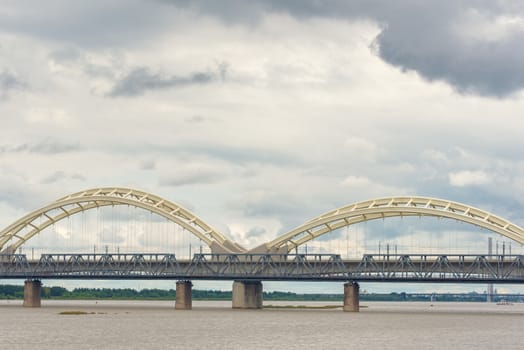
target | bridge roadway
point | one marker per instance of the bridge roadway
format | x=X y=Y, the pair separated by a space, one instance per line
x=248 y=270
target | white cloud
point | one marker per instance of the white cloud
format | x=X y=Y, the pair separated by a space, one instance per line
x=306 y=119
x=359 y=148
x=468 y=178
x=434 y=155
x=253 y=232
x=56 y=116
x=356 y=181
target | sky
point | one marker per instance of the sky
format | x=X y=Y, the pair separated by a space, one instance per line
x=260 y=115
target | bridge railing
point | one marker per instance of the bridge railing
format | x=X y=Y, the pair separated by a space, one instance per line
x=320 y=267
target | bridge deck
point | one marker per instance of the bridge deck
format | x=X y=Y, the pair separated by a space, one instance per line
x=291 y=267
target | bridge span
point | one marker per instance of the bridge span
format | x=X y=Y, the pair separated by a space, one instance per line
x=270 y=261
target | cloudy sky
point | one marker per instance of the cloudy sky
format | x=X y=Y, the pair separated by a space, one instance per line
x=259 y=115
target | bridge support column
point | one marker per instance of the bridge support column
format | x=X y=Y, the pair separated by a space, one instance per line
x=184 y=300
x=32 y=293
x=351 y=297
x=247 y=295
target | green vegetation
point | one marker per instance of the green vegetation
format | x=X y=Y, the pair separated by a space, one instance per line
x=17 y=292
x=75 y=313
x=11 y=292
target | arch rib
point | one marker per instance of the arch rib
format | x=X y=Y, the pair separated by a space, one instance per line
x=25 y=228
x=28 y=226
x=393 y=207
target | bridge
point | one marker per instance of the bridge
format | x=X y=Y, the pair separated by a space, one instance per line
x=276 y=260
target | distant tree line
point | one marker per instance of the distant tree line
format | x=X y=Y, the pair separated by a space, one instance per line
x=17 y=292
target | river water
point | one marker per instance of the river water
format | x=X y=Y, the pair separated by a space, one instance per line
x=214 y=325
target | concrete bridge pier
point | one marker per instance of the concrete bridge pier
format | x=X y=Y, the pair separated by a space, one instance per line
x=247 y=295
x=351 y=297
x=32 y=293
x=184 y=300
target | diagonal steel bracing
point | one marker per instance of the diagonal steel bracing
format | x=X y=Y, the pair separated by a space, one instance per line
x=312 y=267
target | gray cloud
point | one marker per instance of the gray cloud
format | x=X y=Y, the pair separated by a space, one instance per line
x=78 y=177
x=435 y=39
x=290 y=210
x=473 y=46
x=237 y=155
x=58 y=176
x=148 y=164
x=43 y=147
x=255 y=232
x=71 y=55
x=108 y=236
x=140 y=80
x=54 y=177
x=431 y=45
x=92 y=24
x=15 y=192
x=193 y=174
x=9 y=82
x=244 y=155
x=66 y=54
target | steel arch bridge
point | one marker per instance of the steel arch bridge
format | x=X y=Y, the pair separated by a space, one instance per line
x=22 y=230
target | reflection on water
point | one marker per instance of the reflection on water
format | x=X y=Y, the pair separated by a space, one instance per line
x=156 y=325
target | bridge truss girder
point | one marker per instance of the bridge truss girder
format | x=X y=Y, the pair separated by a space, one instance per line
x=290 y=267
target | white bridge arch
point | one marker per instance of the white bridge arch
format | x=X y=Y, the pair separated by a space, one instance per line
x=16 y=234
x=391 y=207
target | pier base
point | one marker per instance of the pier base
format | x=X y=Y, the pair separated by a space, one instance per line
x=32 y=293
x=184 y=300
x=247 y=295
x=351 y=297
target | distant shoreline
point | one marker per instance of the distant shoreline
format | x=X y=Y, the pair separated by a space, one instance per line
x=16 y=292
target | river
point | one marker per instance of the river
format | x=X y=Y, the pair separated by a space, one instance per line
x=214 y=325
